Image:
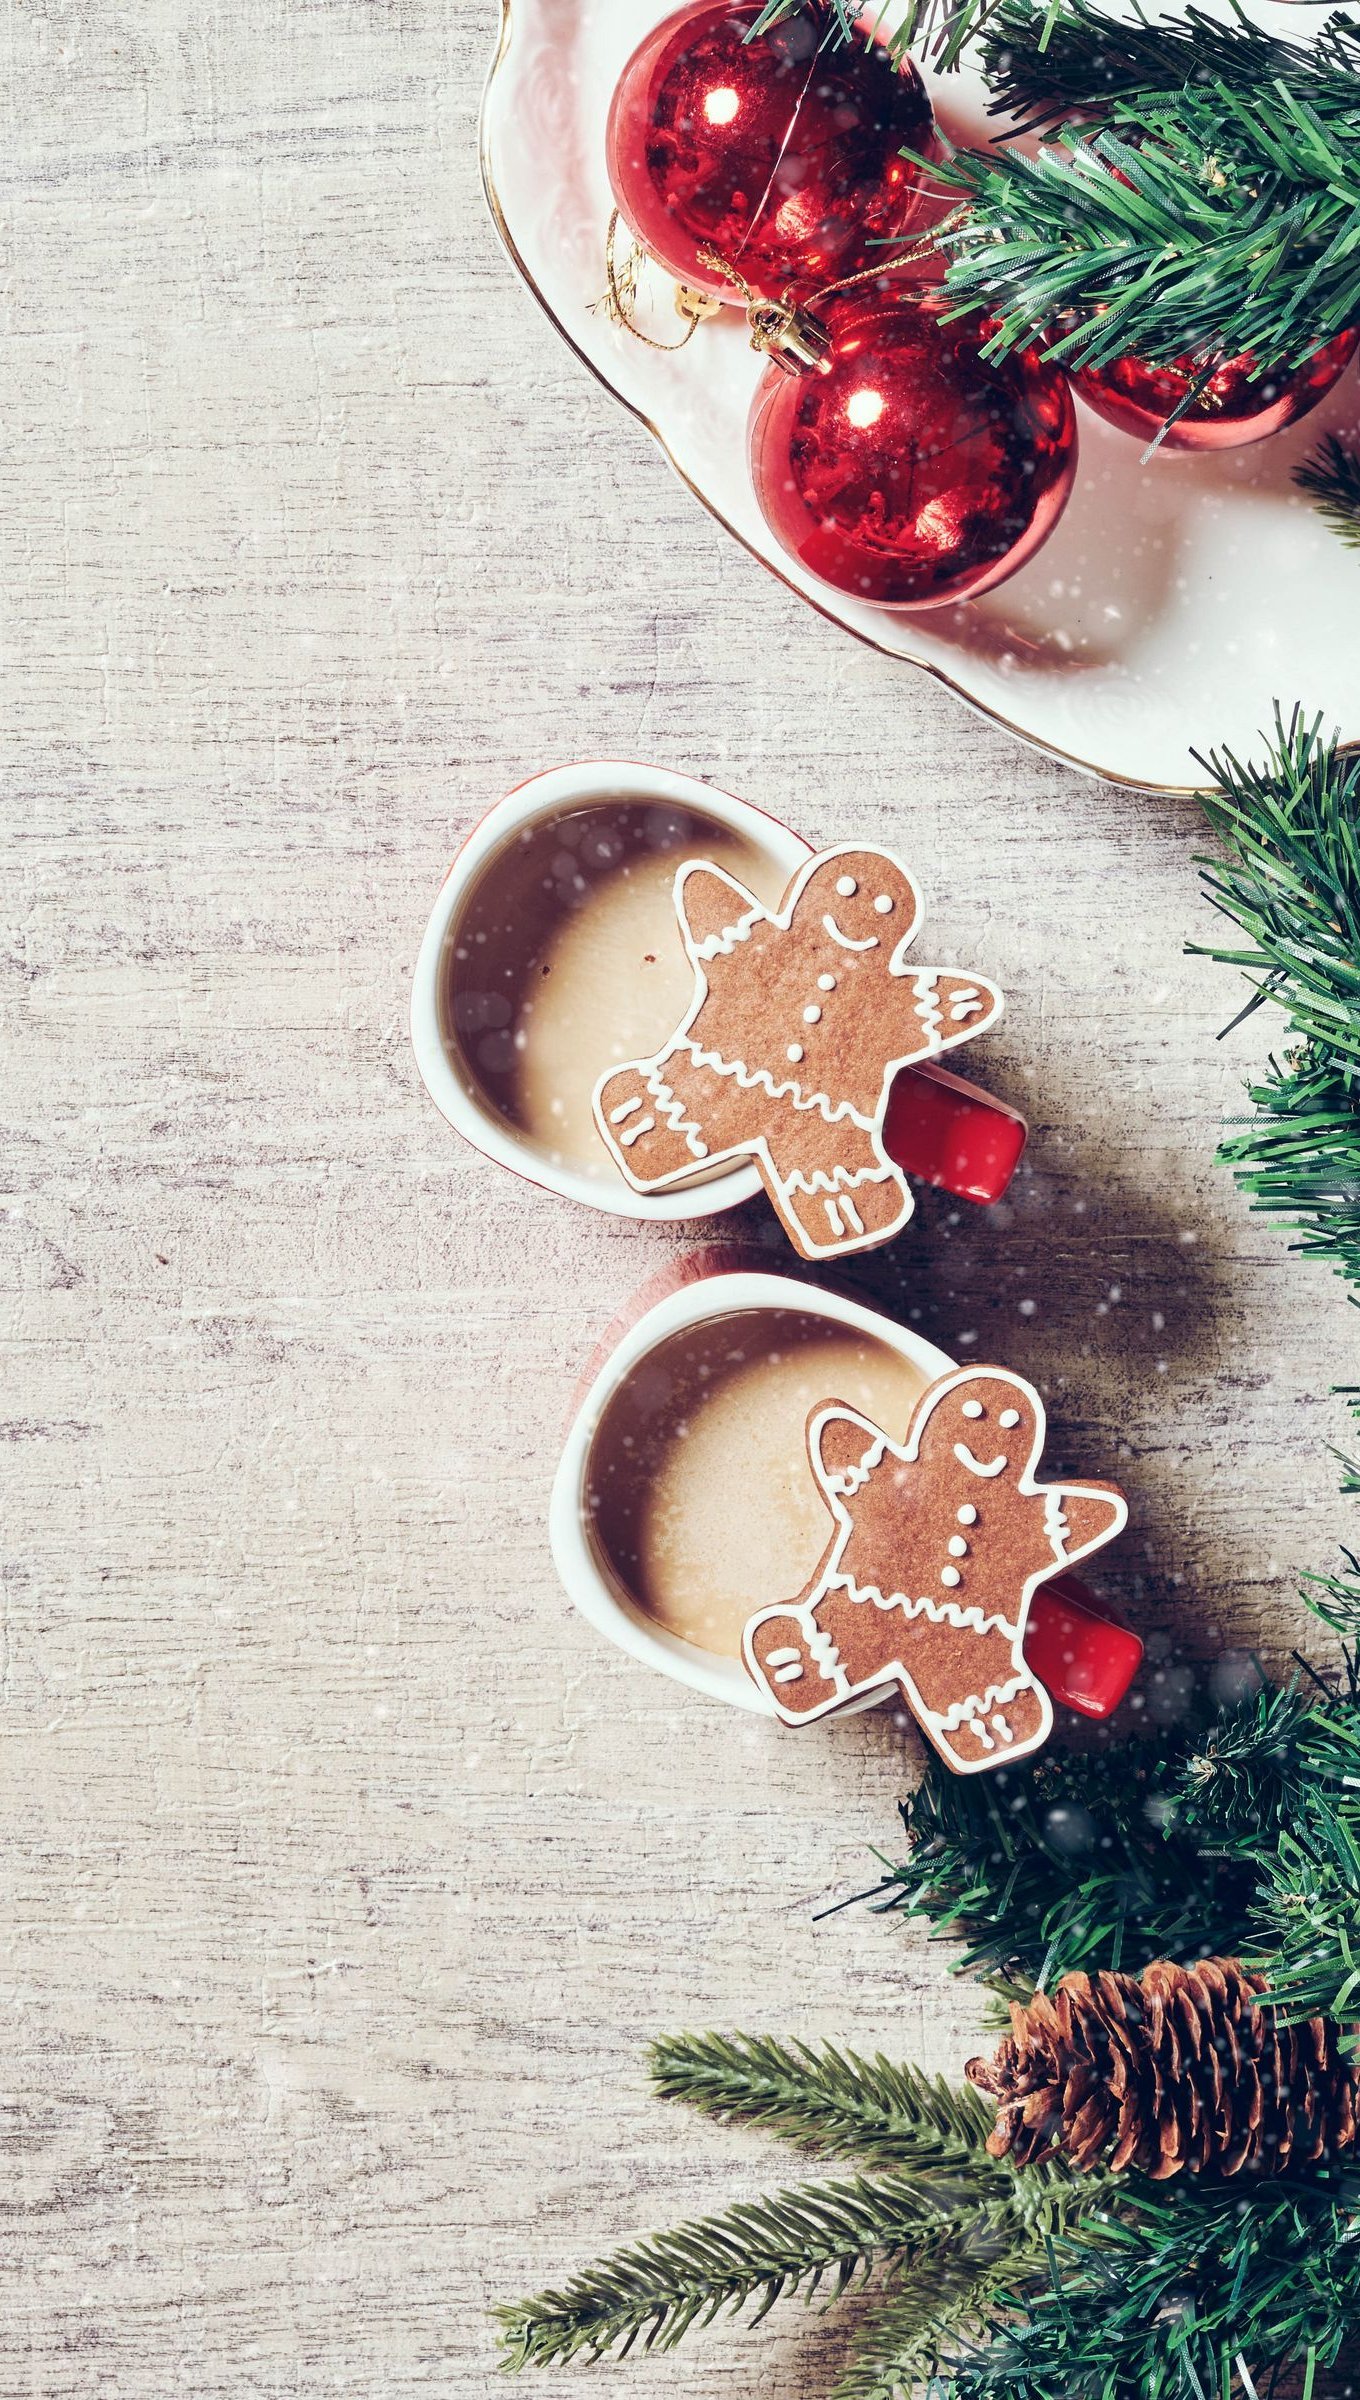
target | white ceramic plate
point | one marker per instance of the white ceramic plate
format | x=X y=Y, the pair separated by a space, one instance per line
x=1172 y=606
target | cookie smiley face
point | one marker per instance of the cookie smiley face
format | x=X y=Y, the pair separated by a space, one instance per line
x=801 y=1019
x=861 y=901
x=989 y=1426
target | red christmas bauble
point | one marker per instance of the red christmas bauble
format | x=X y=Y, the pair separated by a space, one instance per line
x=912 y=471
x=783 y=154
x=1243 y=401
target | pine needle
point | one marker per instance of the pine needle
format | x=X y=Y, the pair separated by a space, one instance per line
x=1289 y=881
x=752 y=2255
x=828 y=2100
x=1331 y=477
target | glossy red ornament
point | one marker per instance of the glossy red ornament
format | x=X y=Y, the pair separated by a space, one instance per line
x=782 y=153
x=1242 y=402
x=910 y=470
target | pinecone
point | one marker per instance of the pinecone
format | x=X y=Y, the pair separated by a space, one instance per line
x=1177 y=2069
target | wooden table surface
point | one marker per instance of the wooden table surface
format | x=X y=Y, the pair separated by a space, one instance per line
x=346 y=1873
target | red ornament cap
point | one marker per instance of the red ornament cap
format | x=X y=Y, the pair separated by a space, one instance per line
x=910 y=470
x=782 y=154
x=1242 y=402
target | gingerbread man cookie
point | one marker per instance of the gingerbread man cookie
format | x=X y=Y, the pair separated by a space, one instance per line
x=800 y=1019
x=939 y=1547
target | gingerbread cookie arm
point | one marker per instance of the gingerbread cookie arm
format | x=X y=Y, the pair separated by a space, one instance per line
x=844 y=1447
x=715 y=911
x=950 y=1007
x=1083 y=1517
x=652 y=1114
x=790 y=1650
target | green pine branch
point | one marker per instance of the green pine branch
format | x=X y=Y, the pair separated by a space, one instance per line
x=928 y=2315
x=1209 y=209
x=938 y=28
x=752 y=2255
x=1044 y=64
x=1067 y=1861
x=1174 y=2295
x=1234 y=1834
x=1289 y=882
x=1330 y=475
x=828 y=2100
x=1246 y=1777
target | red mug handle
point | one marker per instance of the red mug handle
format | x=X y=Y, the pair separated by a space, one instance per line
x=947 y=1132
x=1085 y=1660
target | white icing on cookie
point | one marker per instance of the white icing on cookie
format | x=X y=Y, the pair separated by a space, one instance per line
x=847 y=942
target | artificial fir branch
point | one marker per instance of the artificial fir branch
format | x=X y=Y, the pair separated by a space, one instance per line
x=1174 y=2294
x=1043 y=64
x=1290 y=882
x=830 y=2235
x=928 y=2314
x=938 y=28
x=1066 y=1861
x=1167 y=238
x=828 y=2100
x=1239 y=1834
x=1209 y=208
x=1330 y=475
x=1298 y=1156
x=1291 y=878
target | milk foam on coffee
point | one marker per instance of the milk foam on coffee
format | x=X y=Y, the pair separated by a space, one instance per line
x=703 y=1503
x=568 y=959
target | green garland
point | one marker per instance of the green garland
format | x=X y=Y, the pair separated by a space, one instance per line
x=1289 y=882
x=1241 y=1833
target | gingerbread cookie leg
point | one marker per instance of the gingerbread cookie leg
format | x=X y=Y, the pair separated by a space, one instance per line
x=862 y=1200
x=652 y=1113
x=796 y=1655
x=973 y=1695
x=816 y=1657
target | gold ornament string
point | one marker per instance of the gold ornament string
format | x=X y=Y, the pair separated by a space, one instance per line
x=791 y=333
x=619 y=299
x=782 y=329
